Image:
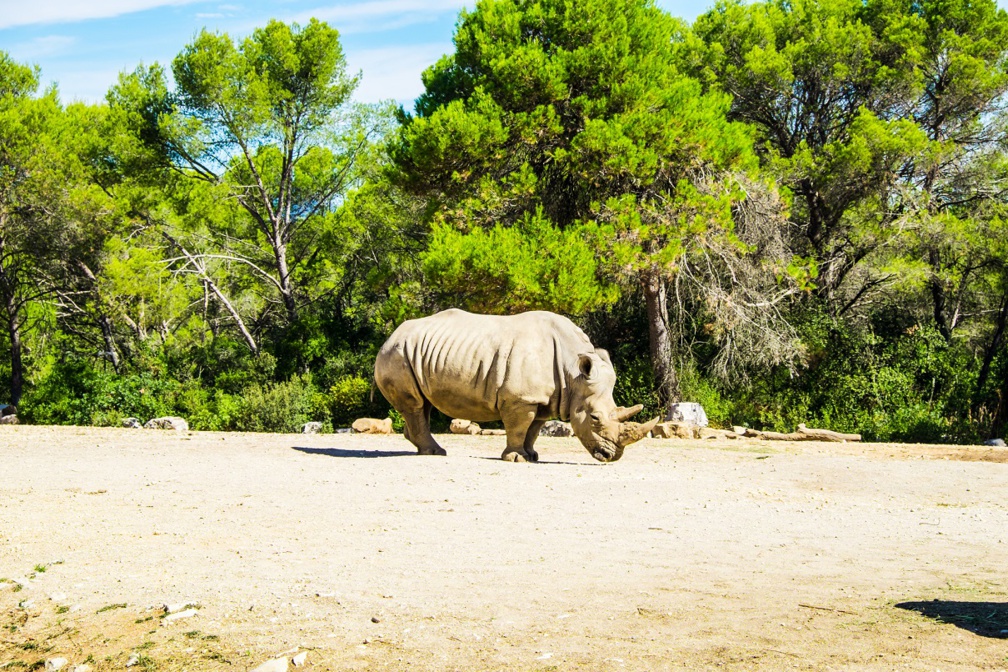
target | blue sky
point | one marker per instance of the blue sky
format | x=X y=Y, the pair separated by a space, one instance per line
x=83 y=45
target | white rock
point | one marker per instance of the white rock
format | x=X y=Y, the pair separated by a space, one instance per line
x=26 y=604
x=996 y=443
x=168 y=422
x=133 y=659
x=273 y=665
x=174 y=607
x=55 y=664
x=83 y=667
x=556 y=428
x=460 y=426
x=58 y=597
x=689 y=412
x=299 y=659
x=179 y=615
x=132 y=423
x=311 y=428
x=8 y=420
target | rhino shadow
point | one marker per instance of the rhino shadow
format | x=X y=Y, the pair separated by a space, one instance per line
x=987 y=619
x=342 y=452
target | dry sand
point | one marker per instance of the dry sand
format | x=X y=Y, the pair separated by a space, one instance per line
x=683 y=555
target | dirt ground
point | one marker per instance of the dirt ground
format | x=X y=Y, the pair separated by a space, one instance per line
x=694 y=555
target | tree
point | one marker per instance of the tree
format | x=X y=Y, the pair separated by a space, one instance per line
x=267 y=125
x=48 y=209
x=563 y=153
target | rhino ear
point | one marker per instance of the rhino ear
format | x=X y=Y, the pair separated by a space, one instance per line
x=585 y=364
x=603 y=355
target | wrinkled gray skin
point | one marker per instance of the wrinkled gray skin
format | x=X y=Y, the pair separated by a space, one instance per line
x=521 y=369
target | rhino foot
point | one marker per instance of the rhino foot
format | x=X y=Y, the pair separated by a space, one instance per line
x=516 y=456
x=433 y=451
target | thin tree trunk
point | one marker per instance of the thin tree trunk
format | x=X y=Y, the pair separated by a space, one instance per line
x=665 y=376
x=992 y=348
x=110 y=347
x=286 y=286
x=939 y=298
x=17 y=365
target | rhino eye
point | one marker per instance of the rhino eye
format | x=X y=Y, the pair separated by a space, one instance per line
x=596 y=417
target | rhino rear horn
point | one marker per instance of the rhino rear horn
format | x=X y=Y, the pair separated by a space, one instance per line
x=631 y=432
x=623 y=414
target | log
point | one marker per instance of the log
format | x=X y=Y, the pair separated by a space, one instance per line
x=803 y=434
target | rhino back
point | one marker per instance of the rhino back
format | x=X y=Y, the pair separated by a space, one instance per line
x=468 y=365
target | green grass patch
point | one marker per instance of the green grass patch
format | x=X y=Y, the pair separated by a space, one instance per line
x=110 y=607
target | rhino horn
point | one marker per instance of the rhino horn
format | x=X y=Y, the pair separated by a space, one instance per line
x=623 y=414
x=631 y=432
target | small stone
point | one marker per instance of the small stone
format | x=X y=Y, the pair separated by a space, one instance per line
x=83 y=667
x=26 y=604
x=58 y=597
x=55 y=664
x=375 y=619
x=179 y=615
x=493 y=432
x=273 y=665
x=995 y=443
x=9 y=420
x=176 y=607
x=132 y=423
x=299 y=659
x=133 y=659
x=311 y=427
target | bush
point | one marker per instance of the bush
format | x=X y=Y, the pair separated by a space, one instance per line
x=278 y=407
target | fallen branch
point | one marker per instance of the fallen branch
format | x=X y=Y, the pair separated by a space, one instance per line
x=803 y=434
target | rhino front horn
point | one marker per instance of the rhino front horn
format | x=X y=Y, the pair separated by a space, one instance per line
x=631 y=432
x=623 y=414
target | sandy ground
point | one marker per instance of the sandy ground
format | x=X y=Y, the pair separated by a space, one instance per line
x=683 y=555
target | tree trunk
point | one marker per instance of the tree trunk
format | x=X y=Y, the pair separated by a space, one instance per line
x=17 y=366
x=286 y=286
x=110 y=347
x=666 y=379
x=939 y=298
x=992 y=349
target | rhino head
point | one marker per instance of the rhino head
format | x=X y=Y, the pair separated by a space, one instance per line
x=601 y=425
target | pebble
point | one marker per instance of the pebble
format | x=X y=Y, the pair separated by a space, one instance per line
x=177 y=606
x=273 y=665
x=299 y=659
x=133 y=659
x=55 y=664
x=58 y=597
x=83 y=667
x=375 y=619
x=26 y=604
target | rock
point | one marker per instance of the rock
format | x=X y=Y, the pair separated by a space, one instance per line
x=273 y=665
x=997 y=443
x=460 y=426
x=372 y=426
x=299 y=659
x=311 y=428
x=7 y=409
x=493 y=432
x=168 y=422
x=83 y=667
x=675 y=430
x=175 y=607
x=55 y=664
x=58 y=597
x=133 y=659
x=375 y=619
x=187 y=613
x=556 y=428
x=9 y=420
x=132 y=423
x=26 y=604
x=689 y=411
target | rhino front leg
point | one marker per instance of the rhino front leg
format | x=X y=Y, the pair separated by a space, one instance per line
x=518 y=419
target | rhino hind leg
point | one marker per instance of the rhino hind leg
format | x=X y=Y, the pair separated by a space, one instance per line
x=417 y=430
x=403 y=393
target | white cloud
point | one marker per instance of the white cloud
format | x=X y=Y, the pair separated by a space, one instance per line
x=21 y=13
x=394 y=72
x=371 y=17
x=44 y=47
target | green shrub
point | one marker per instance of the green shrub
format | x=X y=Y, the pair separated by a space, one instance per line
x=278 y=407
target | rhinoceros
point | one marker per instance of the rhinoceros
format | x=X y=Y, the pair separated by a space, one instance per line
x=521 y=369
